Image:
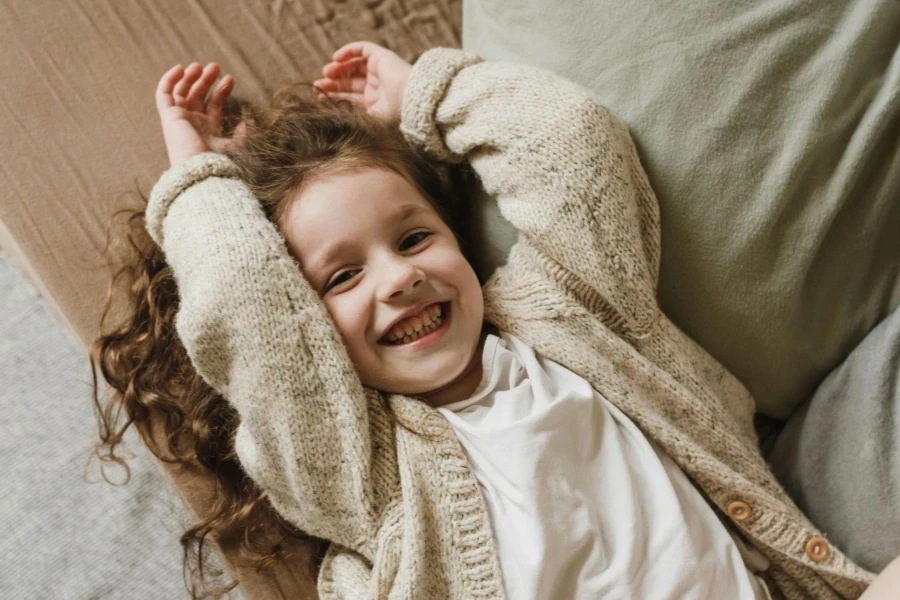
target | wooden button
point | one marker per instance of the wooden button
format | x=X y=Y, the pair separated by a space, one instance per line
x=738 y=510
x=817 y=549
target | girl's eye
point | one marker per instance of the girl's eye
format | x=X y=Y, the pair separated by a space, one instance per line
x=420 y=235
x=416 y=238
x=338 y=279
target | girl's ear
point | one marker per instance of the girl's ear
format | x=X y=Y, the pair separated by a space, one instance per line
x=239 y=134
x=224 y=145
x=233 y=115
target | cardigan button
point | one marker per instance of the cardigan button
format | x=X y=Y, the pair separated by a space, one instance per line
x=817 y=549
x=738 y=510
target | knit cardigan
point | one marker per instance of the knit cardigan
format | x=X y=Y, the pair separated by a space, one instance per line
x=400 y=504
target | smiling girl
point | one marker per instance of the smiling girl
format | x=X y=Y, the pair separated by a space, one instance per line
x=550 y=434
x=394 y=280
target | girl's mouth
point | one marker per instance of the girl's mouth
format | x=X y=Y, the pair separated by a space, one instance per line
x=435 y=327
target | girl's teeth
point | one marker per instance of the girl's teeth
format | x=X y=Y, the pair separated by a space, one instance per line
x=416 y=326
x=417 y=333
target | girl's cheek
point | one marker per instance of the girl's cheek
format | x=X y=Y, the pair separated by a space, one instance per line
x=448 y=258
x=454 y=266
x=349 y=315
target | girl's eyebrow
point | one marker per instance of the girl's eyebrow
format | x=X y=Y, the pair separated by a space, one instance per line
x=333 y=251
x=328 y=256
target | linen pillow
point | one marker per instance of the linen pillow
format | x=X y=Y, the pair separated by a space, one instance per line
x=770 y=134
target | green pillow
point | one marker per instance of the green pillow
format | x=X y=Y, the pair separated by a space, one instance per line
x=770 y=133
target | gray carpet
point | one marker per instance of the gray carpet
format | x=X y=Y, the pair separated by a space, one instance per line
x=67 y=534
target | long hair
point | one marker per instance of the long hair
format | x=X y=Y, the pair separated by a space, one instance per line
x=152 y=382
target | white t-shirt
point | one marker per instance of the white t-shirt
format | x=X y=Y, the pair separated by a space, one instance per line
x=581 y=503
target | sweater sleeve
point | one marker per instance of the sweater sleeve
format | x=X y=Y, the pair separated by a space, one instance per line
x=258 y=333
x=564 y=171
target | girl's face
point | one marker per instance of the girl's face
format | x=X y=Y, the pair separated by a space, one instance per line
x=377 y=252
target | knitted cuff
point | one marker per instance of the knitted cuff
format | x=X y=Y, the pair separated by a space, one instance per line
x=178 y=179
x=428 y=82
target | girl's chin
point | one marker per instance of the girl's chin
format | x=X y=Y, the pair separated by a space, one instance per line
x=435 y=372
x=426 y=386
x=422 y=388
x=444 y=389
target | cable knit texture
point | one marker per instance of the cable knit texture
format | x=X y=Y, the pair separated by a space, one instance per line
x=403 y=511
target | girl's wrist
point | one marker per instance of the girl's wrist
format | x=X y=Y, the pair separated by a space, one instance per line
x=178 y=155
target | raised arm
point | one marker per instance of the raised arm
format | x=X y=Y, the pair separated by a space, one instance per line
x=259 y=335
x=256 y=331
x=564 y=171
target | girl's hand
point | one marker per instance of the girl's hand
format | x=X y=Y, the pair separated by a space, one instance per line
x=191 y=121
x=370 y=76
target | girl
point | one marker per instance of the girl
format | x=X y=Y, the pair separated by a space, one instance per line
x=550 y=434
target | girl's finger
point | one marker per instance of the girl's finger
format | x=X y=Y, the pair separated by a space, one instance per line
x=207 y=77
x=351 y=67
x=217 y=98
x=166 y=85
x=355 y=99
x=325 y=85
x=356 y=84
x=362 y=48
x=190 y=76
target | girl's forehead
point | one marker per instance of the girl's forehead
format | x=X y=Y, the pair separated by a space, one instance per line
x=370 y=190
x=350 y=209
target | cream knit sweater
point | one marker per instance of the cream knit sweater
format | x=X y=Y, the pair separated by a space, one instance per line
x=403 y=511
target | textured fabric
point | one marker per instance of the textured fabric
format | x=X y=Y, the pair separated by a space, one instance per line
x=839 y=455
x=769 y=133
x=580 y=502
x=401 y=504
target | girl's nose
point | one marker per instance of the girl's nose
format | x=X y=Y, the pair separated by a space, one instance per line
x=400 y=278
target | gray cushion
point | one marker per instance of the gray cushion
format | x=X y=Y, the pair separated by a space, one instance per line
x=770 y=134
x=839 y=455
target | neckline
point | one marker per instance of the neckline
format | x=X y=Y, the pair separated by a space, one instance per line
x=489 y=375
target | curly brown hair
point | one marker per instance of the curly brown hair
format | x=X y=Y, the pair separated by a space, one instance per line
x=180 y=418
